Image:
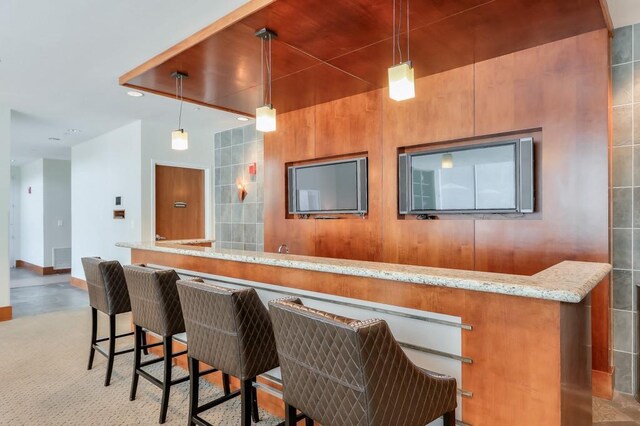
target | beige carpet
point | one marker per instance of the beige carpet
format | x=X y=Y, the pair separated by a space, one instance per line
x=44 y=380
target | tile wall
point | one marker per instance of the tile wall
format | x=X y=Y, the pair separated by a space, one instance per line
x=239 y=224
x=625 y=59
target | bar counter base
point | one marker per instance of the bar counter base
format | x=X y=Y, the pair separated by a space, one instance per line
x=531 y=359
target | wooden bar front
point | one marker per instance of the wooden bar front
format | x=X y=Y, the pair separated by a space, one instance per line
x=531 y=358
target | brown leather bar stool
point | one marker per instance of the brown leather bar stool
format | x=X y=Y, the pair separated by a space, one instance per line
x=340 y=371
x=231 y=330
x=155 y=306
x=107 y=294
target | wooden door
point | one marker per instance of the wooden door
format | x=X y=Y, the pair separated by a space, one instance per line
x=180 y=206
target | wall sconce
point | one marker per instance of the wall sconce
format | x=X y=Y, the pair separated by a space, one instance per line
x=242 y=190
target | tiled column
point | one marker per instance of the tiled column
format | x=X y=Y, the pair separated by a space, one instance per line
x=625 y=54
x=239 y=224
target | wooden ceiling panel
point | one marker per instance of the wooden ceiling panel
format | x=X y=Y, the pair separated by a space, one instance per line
x=223 y=65
x=329 y=83
x=328 y=29
x=330 y=49
x=476 y=35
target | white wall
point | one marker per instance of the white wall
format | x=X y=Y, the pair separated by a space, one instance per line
x=57 y=207
x=5 y=165
x=156 y=148
x=14 y=217
x=32 y=213
x=101 y=169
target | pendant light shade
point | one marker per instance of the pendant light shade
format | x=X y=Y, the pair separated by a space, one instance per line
x=401 y=82
x=447 y=161
x=179 y=140
x=266 y=118
x=401 y=79
x=266 y=114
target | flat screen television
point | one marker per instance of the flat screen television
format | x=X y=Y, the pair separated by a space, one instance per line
x=328 y=187
x=484 y=178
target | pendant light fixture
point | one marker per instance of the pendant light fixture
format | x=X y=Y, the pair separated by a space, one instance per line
x=266 y=114
x=179 y=138
x=401 y=78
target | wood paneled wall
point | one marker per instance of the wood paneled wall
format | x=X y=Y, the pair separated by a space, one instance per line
x=560 y=88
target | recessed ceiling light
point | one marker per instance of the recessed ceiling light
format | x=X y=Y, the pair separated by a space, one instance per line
x=242 y=118
x=135 y=93
x=73 y=131
x=54 y=139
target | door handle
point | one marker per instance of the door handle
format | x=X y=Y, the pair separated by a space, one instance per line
x=159 y=238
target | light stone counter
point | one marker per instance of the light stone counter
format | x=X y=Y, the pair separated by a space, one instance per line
x=568 y=281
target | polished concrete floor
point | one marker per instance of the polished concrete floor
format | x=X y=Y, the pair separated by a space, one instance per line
x=21 y=277
x=32 y=294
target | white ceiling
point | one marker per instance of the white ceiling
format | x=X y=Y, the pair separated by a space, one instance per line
x=60 y=62
x=624 y=12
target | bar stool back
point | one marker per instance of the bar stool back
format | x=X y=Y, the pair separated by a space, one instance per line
x=341 y=371
x=155 y=306
x=107 y=294
x=231 y=330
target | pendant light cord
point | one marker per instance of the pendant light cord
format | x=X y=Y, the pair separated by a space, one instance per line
x=265 y=57
x=396 y=31
x=269 y=70
x=179 y=96
x=407 y=12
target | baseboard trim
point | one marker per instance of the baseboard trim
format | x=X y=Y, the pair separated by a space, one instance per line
x=602 y=383
x=6 y=313
x=77 y=282
x=41 y=270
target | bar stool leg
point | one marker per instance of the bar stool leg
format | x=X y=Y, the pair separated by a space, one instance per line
x=290 y=415
x=94 y=335
x=144 y=342
x=246 y=402
x=166 y=384
x=194 y=370
x=449 y=418
x=112 y=349
x=225 y=384
x=255 y=415
x=136 y=362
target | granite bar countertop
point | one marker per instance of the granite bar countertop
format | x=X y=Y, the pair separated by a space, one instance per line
x=568 y=281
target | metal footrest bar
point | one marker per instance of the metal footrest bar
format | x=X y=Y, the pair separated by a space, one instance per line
x=268 y=389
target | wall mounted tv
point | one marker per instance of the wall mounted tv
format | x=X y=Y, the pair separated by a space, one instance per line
x=328 y=187
x=483 y=178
